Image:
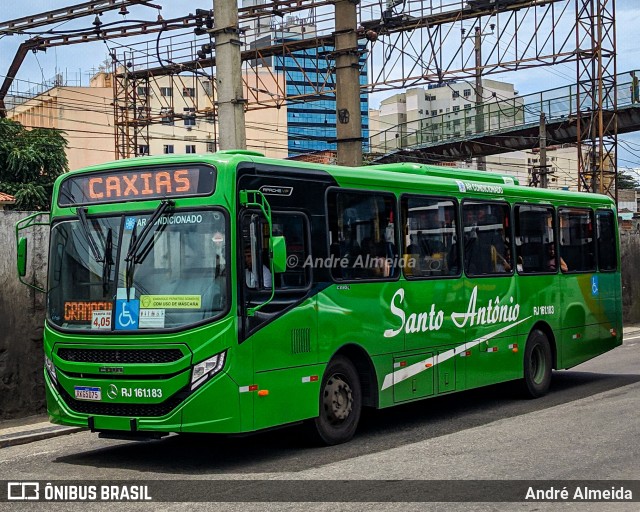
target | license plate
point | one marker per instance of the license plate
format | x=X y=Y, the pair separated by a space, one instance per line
x=87 y=393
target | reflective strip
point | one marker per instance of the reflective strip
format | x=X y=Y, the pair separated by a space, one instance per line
x=391 y=379
x=311 y=378
x=467 y=353
x=577 y=336
x=492 y=349
x=246 y=389
x=513 y=345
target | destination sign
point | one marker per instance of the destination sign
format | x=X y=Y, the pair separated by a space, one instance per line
x=136 y=185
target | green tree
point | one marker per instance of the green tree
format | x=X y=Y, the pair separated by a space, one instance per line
x=626 y=181
x=30 y=162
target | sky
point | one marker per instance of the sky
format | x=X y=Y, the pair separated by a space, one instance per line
x=78 y=60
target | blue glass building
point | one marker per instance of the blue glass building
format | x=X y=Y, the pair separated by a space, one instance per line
x=311 y=122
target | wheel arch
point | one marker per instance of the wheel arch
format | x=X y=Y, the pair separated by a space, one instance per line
x=548 y=331
x=366 y=372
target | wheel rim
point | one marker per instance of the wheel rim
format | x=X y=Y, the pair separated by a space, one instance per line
x=538 y=365
x=337 y=399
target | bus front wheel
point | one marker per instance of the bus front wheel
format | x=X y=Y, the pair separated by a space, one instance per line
x=340 y=402
x=537 y=365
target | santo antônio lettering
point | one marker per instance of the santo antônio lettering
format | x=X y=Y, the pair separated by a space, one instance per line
x=140 y=184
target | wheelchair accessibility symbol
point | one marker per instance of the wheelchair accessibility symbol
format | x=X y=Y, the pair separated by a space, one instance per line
x=127 y=313
x=594 y=286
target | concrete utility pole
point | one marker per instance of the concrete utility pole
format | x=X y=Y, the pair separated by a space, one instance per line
x=348 y=115
x=481 y=160
x=229 y=75
x=544 y=170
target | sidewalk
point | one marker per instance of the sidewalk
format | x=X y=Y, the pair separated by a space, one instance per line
x=30 y=429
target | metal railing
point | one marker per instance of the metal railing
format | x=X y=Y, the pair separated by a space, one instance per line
x=499 y=116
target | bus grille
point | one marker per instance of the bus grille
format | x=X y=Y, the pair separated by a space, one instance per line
x=134 y=356
x=130 y=410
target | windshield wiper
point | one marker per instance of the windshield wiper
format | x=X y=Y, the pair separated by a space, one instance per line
x=82 y=215
x=134 y=255
x=108 y=262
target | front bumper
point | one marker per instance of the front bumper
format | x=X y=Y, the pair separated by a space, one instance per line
x=214 y=407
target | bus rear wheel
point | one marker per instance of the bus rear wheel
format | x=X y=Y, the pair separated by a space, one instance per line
x=340 y=402
x=537 y=365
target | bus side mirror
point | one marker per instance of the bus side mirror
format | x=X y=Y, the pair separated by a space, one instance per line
x=22 y=257
x=279 y=252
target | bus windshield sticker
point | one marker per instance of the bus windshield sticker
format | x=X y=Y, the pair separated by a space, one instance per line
x=127 y=313
x=122 y=293
x=101 y=319
x=151 y=319
x=171 y=301
x=129 y=223
x=136 y=185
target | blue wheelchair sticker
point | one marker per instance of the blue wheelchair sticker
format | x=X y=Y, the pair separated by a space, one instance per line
x=594 y=286
x=127 y=313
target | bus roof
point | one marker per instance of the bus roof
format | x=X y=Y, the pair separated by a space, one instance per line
x=413 y=175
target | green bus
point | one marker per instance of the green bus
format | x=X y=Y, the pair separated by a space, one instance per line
x=230 y=293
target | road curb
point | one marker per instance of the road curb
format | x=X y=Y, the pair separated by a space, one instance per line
x=29 y=437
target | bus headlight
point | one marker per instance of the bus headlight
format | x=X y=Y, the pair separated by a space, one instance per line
x=206 y=369
x=48 y=364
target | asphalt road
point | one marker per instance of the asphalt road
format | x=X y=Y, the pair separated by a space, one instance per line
x=585 y=428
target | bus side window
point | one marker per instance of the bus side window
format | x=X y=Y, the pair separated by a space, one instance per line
x=577 y=240
x=487 y=238
x=535 y=240
x=429 y=237
x=362 y=235
x=607 y=256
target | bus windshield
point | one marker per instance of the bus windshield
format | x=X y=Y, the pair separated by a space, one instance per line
x=178 y=277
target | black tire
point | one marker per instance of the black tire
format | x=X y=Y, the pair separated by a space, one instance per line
x=340 y=402
x=537 y=365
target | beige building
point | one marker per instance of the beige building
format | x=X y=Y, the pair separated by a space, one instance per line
x=562 y=161
x=85 y=114
x=181 y=109
x=423 y=115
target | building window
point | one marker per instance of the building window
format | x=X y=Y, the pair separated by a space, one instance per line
x=189 y=92
x=467 y=106
x=143 y=149
x=456 y=108
x=456 y=94
x=168 y=149
x=189 y=116
x=467 y=93
x=191 y=149
x=211 y=147
x=167 y=92
x=434 y=112
x=143 y=91
x=167 y=116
